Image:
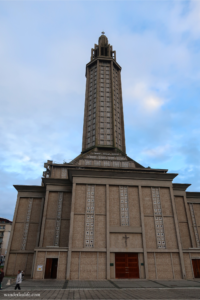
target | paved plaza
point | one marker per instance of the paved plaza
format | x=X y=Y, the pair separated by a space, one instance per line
x=103 y=289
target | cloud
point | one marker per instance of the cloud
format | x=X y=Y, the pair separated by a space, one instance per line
x=43 y=51
x=147 y=100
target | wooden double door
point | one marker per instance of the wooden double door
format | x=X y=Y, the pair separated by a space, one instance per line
x=51 y=268
x=126 y=265
x=196 y=267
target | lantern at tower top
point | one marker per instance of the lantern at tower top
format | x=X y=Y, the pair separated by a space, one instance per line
x=103 y=49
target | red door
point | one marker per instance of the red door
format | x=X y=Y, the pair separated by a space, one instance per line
x=196 y=267
x=126 y=265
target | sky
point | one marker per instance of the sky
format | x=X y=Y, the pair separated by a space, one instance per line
x=44 y=47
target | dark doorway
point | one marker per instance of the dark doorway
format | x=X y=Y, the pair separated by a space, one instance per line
x=126 y=265
x=196 y=267
x=51 y=268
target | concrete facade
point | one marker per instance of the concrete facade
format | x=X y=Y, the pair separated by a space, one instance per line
x=5 y=229
x=104 y=202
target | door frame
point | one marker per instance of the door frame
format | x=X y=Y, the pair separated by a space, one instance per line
x=137 y=260
x=194 y=258
x=50 y=257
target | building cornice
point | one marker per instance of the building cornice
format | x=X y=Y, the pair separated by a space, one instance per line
x=130 y=174
x=30 y=188
x=102 y=58
x=192 y=194
x=56 y=181
x=180 y=186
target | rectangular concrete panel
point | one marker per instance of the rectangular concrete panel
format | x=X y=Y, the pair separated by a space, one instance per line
x=78 y=231
x=33 y=232
x=20 y=262
x=117 y=240
x=147 y=201
x=100 y=199
x=192 y=227
x=79 y=206
x=100 y=231
x=62 y=265
x=151 y=266
x=112 y=267
x=64 y=233
x=164 y=266
x=188 y=267
x=17 y=236
x=11 y=265
x=134 y=208
x=176 y=266
x=74 y=273
x=102 y=265
x=141 y=265
x=185 y=236
x=52 y=205
x=49 y=232
x=88 y=266
x=196 y=208
x=40 y=260
x=166 y=202
x=170 y=233
x=22 y=209
x=150 y=233
x=114 y=206
x=29 y=264
x=36 y=210
x=66 y=205
x=180 y=209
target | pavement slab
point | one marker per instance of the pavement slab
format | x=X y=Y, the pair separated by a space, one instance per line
x=104 y=289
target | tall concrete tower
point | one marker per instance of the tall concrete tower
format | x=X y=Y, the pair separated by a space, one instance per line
x=103 y=116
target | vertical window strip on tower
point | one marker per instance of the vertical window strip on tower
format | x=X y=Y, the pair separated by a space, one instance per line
x=58 y=219
x=124 y=211
x=26 y=225
x=194 y=225
x=160 y=235
x=89 y=219
x=91 y=118
x=105 y=137
x=117 y=109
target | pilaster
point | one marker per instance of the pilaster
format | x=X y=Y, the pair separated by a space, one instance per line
x=71 y=232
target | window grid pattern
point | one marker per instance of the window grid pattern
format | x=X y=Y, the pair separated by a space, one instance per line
x=105 y=106
x=26 y=225
x=91 y=117
x=160 y=235
x=58 y=219
x=117 y=110
x=90 y=208
x=124 y=211
x=194 y=225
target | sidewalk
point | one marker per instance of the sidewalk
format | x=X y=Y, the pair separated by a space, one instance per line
x=104 y=289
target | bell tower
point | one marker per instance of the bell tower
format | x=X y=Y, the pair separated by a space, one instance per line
x=103 y=115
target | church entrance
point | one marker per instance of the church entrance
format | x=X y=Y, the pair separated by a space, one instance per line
x=126 y=265
x=196 y=267
x=51 y=268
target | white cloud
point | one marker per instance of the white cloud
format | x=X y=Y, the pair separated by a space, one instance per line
x=140 y=94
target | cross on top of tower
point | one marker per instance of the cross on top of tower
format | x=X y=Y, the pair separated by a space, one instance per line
x=103 y=32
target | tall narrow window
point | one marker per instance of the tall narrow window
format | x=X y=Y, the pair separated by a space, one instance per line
x=124 y=211
x=160 y=235
x=89 y=217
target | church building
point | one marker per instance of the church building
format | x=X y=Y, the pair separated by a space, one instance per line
x=103 y=215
